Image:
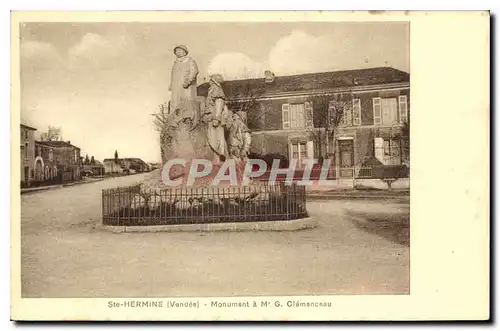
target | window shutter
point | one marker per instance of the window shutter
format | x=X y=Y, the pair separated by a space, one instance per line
x=403 y=109
x=356 y=112
x=377 y=111
x=309 y=114
x=285 y=115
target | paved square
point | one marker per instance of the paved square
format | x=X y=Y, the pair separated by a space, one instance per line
x=65 y=254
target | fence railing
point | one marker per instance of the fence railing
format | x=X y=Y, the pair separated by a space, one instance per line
x=371 y=172
x=129 y=206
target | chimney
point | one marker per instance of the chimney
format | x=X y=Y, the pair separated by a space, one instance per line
x=268 y=76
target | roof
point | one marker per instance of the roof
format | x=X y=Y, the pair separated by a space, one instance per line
x=134 y=159
x=56 y=143
x=312 y=81
x=28 y=127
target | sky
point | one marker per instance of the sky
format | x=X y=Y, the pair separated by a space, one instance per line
x=100 y=82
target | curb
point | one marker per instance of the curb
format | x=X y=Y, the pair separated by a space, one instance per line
x=293 y=225
x=53 y=187
x=80 y=183
x=38 y=189
x=354 y=196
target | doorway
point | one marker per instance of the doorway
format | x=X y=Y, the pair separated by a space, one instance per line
x=346 y=157
x=26 y=174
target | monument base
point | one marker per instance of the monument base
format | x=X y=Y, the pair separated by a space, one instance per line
x=292 y=225
x=151 y=204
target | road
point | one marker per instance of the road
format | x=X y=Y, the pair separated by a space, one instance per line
x=358 y=247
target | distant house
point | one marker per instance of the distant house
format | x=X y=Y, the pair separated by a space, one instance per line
x=125 y=165
x=288 y=116
x=27 y=154
x=93 y=167
x=113 y=166
x=57 y=158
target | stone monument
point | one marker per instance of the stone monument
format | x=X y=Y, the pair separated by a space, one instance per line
x=193 y=132
x=218 y=137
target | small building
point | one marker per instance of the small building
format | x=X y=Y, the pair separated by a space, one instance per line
x=93 y=167
x=27 y=154
x=113 y=166
x=125 y=165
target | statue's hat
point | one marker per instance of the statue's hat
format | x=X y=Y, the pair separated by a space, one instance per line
x=181 y=47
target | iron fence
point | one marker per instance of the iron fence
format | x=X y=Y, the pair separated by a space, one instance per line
x=129 y=206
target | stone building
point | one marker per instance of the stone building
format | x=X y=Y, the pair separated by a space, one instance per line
x=57 y=158
x=27 y=147
x=288 y=115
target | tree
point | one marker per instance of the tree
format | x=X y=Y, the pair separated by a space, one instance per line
x=404 y=142
x=86 y=159
x=116 y=155
x=244 y=100
x=52 y=134
x=329 y=111
x=92 y=160
x=160 y=118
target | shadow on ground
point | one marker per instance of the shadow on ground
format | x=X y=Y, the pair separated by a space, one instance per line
x=391 y=226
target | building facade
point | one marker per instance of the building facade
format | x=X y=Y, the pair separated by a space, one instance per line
x=57 y=159
x=27 y=153
x=352 y=117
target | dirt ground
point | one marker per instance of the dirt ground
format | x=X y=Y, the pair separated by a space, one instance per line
x=358 y=247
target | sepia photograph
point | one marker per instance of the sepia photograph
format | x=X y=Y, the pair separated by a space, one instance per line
x=105 y=105
x=218 y=159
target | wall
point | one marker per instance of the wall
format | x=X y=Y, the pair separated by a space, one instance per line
x=268 y=116
x=266 y=143
x=30 y=160
x=44 y=152
x=112 y=167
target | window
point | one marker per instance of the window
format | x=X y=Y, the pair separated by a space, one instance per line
x=346 y=117
x=356 y=111
x=26 y=145
x=51 y=155
x=403 y=109
x=389 y=151
x=301 y=151
x=297 y=116
x=385 y=111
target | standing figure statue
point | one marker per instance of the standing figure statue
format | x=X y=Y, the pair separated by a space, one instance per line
x=176 y=136
x=215 y=117
x=239 y=139
x=183 y=85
